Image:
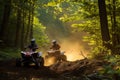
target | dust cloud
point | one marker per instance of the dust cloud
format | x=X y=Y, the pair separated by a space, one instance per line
x=73 y=50
x=74 y=47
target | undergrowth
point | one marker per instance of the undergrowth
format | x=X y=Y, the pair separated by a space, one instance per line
x=9 y=53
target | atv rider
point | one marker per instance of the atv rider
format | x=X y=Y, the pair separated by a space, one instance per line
x=33 y=46
x=56 y=53
x=55 y=48
x=55 y=45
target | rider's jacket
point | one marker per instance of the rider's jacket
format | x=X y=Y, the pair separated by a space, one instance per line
x=33 y=47
x=55 y=47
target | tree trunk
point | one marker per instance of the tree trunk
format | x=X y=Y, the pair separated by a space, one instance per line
x=18 y=27
x=5 y=19
x=23 y=30
x=115 y=34
x=104 y=23
x=28 y=29
x=32 y=19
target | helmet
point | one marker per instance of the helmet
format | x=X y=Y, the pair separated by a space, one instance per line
x=54 y=41
x=32 y=40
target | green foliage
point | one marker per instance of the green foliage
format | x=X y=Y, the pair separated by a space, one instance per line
x=19 y=20
x=91 y=26
x=9 y=53
x=39 y=33
x=48 y=14
x=113 y=68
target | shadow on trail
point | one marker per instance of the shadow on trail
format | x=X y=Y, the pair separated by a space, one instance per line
x=8 y=71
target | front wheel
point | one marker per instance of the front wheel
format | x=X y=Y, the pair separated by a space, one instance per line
x=18 y=62
x=39 y=62
x=42 y=62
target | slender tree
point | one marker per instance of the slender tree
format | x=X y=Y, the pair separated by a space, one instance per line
x=5 y=19
x=23 y=29
x=27 y=35
x=115 y=30
x=18 y=26
x=104 y=23
x=113 y=20
x=32 y=18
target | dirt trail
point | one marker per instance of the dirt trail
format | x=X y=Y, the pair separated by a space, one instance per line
x=8 y=70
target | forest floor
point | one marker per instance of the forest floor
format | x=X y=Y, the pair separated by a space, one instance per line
x=76 y=70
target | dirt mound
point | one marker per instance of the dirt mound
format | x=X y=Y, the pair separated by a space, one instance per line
x=84 y=69
x=84 y=66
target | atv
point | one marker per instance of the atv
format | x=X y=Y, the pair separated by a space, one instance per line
x=30 y=57
x=57 y=54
